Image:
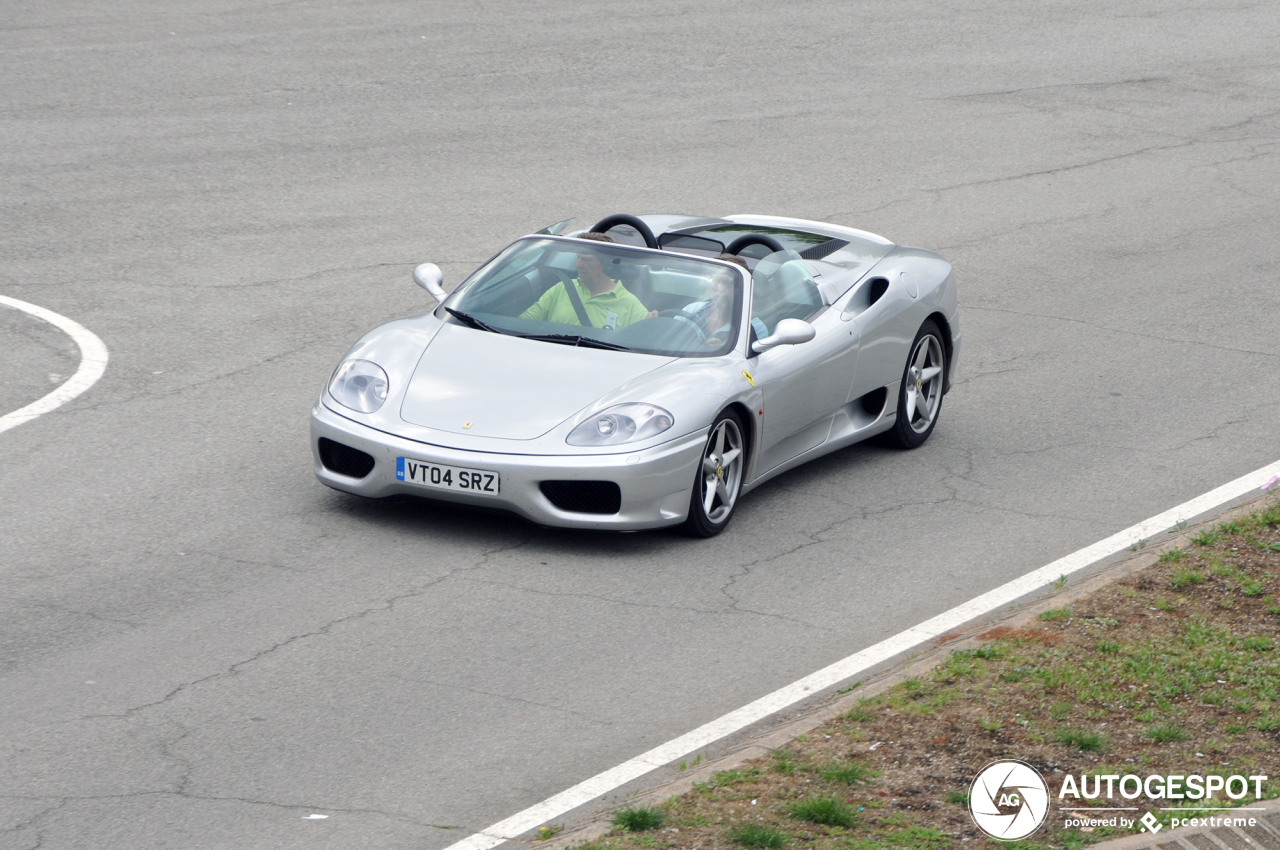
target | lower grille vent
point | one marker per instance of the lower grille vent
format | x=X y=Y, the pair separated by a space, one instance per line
x=584 y=497
x=344 y=460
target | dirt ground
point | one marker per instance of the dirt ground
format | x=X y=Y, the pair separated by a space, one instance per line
x=1172 y=670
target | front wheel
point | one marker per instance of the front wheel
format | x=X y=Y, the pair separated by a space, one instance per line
x=920 y=396
x=719 y=477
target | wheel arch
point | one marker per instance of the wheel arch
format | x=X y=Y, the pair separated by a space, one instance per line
x=749 y=438
x=948 y=344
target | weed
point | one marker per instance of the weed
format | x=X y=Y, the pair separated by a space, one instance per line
x=638 y=820
x=850 y=773
x=1108 y=646
x=1273 y=605
x=990 y=725
x=917 y=838
x=955 y=795
x=545 y=832
x=1139 y=546
x=1166 y=733
x=1165 y=605
x=1184 y=577
x=860 y=713
x=1060 y=582
x=728 y=778
x=1232 y=528
x=1059 y=711
x=1088 y=742
x=783 y=762
x=1266 y=547
x=758 y=837
x=1237 y=729
x=1173 y=556
x=1252 y=588
x=1213 y=698
x=1243 y=706
x=1208 y=537
x=1267 y=724
x=1054 y=614
x=830 y=811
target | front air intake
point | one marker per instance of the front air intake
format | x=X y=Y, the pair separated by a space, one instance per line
x=344 y=460
x=584 y=497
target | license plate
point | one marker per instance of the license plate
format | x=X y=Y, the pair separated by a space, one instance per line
x=447 y=477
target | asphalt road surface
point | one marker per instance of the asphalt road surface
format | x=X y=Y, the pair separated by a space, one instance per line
x=201 y=645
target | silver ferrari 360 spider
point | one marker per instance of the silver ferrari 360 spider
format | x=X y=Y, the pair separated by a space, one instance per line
x=645 y=372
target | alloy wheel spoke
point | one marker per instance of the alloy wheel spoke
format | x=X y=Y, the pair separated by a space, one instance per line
x=922 y=354
x=722 y=492
x=729 y=457
x=709 y=466
x=720 y=440
x=930 y=373
x=911 y=405
x=710 y=498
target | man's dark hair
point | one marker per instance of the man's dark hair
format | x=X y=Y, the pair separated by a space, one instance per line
x=733 y=258
x=596 y=237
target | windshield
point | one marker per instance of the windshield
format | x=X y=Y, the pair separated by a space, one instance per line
x=604 y=295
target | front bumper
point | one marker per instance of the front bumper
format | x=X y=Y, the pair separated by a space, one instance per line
x=656 y=483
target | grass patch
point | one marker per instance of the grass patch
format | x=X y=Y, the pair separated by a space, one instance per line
x=861 y=712
x=638 y=819
x=1173 y=556
x=1166 y=733
x=849 y=773
x=1054 y=614
x=1184 y=577
x=729 y=778
x=756 y=836
x=1088 y=742
x=829 y=811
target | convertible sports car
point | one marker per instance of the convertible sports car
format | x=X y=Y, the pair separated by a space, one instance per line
x=644 y=373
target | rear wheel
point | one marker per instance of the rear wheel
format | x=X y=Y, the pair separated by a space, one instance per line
x=719 y=477
x=920 y=396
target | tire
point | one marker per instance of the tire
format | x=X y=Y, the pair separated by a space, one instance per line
x=718 y=480
x=920 y=394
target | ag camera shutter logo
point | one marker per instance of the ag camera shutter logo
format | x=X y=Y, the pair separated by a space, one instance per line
x=1009 y=800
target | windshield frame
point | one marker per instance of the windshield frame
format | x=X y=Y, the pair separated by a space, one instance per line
x=742 y=295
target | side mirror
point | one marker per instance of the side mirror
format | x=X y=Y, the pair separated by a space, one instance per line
x=430 y=278
x=788 y=332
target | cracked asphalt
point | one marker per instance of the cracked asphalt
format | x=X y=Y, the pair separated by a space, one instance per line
x=200 y=645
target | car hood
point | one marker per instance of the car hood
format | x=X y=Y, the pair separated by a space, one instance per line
x=484 y=384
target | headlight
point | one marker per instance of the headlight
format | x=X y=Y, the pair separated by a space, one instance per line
x=359 y=385
x=622 y=423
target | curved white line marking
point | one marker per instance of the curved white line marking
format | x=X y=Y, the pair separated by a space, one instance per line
x=856 y=664
x=93 y=362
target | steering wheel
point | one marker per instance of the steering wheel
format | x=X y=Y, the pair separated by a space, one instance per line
x=605 y=224
x=741 y=242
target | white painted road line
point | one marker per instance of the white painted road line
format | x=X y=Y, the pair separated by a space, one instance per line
x=949 y=621
x=93 y=362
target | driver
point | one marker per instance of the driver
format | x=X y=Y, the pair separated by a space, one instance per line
x=607 y=302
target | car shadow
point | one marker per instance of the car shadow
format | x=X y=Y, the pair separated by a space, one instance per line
x=426 y=519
